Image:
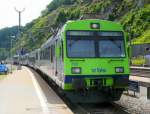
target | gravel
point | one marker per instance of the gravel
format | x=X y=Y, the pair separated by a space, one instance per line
x=138 y=104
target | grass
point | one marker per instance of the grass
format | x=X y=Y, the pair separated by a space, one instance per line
x=2 y=76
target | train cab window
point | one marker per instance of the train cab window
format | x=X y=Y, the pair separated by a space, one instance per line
x=111 y=44
x=111 y=48
x=92 y=44
x=81 y=48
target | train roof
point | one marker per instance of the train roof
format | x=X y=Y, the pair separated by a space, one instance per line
x=48 y=42
x=85 y=25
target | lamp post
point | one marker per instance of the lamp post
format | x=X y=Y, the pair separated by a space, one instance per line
x=19 y=33
x=19 y=12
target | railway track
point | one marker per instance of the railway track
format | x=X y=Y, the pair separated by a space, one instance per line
x=90 y=108
x=102 y=108
x=141 y=72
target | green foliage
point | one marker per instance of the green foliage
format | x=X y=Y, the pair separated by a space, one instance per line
x=55 y=4
x=5 y=39
x=133 y=14
x=5 y=36
x=62 y=17
x=137 y=23
x=4 y=53
x=144 y=38
x=2 y=76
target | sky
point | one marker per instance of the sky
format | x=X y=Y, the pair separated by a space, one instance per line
x=9 y=17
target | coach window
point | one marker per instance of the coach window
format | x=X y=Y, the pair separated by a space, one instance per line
x=40 y=54
x=59 y=49
x=36 y=56
x=62 y=53
x=48 y=53
x=45 y=56
x=52 y=52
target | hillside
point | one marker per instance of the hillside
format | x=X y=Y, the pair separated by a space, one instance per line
x=5 y=34
x=5 y=39
x=134 y=15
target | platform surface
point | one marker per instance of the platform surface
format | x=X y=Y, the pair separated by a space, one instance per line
x=142 y=68
x=24 y=92
x=142 y=75
x=140 y=79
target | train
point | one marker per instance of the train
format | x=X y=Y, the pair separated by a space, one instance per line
x=87 y=59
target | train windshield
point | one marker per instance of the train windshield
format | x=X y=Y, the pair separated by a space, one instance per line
x=111 y=44
x=95 y=44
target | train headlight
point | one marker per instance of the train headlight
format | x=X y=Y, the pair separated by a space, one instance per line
x=95 y=25
x=76 y=70
x=119 y=69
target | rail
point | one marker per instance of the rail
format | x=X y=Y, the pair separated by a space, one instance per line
x=140 y=71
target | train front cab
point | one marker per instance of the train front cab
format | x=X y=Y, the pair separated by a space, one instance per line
x=96 y=65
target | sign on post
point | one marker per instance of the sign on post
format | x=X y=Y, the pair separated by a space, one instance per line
x=134 y=86
x=148 y=93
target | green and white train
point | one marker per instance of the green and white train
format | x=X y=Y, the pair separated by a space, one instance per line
x=87 y=59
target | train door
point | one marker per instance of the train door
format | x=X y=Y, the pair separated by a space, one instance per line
x=56 y=58
x=53 y=66
x=61 y=65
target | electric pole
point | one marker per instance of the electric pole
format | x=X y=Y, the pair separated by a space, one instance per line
x=19 y=12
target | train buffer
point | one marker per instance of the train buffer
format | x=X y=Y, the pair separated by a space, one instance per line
x=25 y=92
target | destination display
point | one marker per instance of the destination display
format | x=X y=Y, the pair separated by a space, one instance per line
x=94 y=33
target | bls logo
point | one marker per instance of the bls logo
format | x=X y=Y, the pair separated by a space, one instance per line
x=98 y=70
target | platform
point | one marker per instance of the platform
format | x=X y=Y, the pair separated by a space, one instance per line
x=140 y=79
x=25 y=92
x=141 y=74
x=141 y=68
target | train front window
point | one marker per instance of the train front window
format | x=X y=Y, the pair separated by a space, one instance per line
x=111 y=44
x=81 y=48
x=111 y=48
x=94 y=44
